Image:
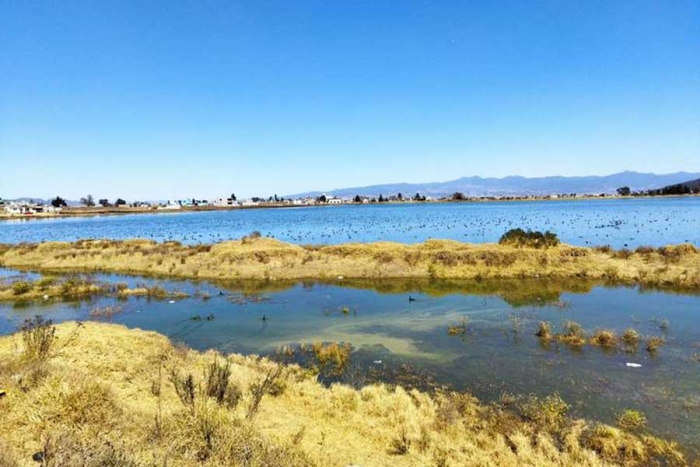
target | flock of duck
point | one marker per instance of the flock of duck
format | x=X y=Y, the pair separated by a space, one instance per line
x=576 y=222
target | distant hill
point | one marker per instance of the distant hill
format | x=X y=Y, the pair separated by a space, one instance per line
x=518 y=186
x=684 y=188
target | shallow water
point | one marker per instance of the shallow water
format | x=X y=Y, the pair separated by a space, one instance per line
x=498 y=353
x=617 y=222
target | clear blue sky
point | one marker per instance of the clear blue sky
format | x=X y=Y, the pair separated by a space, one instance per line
x=162 y=99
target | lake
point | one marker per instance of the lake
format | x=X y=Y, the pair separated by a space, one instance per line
x=397 y=340
x=621 y=223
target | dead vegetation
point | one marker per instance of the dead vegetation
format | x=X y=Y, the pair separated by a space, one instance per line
x=104 y=400
x=264 y=258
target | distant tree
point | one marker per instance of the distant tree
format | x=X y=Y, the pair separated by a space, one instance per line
x=418 y=197
x=58 y=202
x=457 y=196
x=233 y=197
x=276 y=198
x=357 y=199
x=322 y=199
x=119 y=202
x=87 y=201
x=624 y=191
x=104 y=202
x=381 y=198
x=400 y=197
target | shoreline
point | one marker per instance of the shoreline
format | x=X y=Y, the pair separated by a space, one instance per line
x=272 y=260
x=114 y=211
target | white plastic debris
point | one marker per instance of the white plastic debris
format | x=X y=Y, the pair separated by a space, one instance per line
x=377 y=362
x=633 y=365
x=171 y=301
x=46 y=297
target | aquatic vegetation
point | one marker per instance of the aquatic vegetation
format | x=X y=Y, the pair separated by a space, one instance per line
x=604 y=338
x=105 y=311
x=572 y=334
x=332 y=357
x=654 y=343
x=631 y=419
x=458 y=329
x=630 y=337
x=544 y=331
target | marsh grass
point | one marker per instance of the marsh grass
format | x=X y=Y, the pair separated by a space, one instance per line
x=631 y=419
x=265 y=258
x=106 y=312
x=95 y=410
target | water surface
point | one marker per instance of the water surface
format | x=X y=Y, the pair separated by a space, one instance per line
x=617 y=222
x=497 y=354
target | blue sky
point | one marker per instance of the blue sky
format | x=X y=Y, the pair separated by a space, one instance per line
x=163 y=99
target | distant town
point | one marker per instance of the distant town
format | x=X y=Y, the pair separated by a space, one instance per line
x=58 y=206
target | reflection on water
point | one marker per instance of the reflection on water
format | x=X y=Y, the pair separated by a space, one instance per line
x=618 y=222
x=396 y=339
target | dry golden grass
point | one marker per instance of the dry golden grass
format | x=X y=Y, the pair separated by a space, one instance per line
x=264 y=258
x=105 y=397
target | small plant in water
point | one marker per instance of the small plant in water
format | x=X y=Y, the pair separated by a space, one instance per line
x=604 y=338
x=631 y=419
x=630 y=337
x=544 y=331
x=458 y=329
x=573 y=334
x=653 y=344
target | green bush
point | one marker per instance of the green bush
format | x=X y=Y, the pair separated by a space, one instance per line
x=530 y=239
x=21 y=287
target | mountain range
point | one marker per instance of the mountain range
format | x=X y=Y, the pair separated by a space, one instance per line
x=517 y=185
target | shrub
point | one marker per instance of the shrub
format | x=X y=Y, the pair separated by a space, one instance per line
x=185 y=388
x=631 y=419
x=259 y=389
x=217 y=385
x=38 y=336
x=531 y=239
x=21 y=287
